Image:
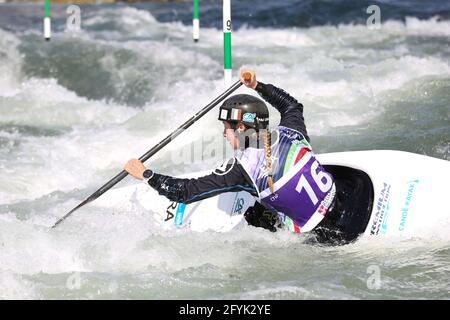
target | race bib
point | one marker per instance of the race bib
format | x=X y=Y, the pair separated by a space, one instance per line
x=301 y=192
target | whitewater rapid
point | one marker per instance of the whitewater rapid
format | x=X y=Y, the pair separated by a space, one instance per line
x=73 y=110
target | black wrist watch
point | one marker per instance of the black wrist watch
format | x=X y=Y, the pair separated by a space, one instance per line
x=148 y=174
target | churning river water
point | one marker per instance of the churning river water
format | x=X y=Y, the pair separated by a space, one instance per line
x=74 y=109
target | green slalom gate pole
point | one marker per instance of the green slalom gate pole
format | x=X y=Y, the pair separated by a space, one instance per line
x=227 y=42
x=47 y=21
x=195 y=22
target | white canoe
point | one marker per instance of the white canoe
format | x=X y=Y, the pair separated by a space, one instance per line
x=408 y=196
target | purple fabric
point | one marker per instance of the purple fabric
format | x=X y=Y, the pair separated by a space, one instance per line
x=299 y=206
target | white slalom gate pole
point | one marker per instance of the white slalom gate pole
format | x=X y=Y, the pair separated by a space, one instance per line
x=47 y=21
x=227 y=42
x=195 y=22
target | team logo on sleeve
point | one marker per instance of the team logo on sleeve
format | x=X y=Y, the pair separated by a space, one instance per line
x=225 y=167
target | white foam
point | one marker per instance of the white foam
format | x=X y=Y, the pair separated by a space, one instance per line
x=10 y=63
x=127 y=20
x=433 y=26
x=40 y=251
x=127 y=15
x=45 y=103
x=14 y=287
x=281 y=292
x=343 y=75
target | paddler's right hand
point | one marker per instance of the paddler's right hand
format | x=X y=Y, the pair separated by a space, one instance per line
x=135 y=168
x=248 y=78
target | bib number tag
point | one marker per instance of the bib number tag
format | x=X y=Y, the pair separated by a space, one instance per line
x=301 y=196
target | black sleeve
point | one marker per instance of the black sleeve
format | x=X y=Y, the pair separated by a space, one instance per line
x=290 y=109
x=230 y=177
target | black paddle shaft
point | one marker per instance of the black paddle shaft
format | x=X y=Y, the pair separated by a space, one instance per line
x=154 y=150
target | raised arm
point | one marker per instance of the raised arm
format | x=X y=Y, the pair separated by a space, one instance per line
x=290 y=109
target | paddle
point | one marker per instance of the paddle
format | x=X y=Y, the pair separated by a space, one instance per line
x=156 y=148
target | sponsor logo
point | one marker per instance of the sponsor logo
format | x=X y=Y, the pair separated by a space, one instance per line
x=382 y=208
x=249 y=117
x=326 y=203
x=238 y=205
x=407 y=202
x=274 y=197
x=170 y=215
x=292 y=135
x=384 y=221
x=322 y=209
x=329 y=197
x=225 y=167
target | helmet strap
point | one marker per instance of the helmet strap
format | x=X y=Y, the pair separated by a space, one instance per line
x=233 y=125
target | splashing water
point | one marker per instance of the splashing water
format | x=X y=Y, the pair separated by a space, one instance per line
x=74 y=109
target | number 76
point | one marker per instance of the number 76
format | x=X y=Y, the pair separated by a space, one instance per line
x=318 y=177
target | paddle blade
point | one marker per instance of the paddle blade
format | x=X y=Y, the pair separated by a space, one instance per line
x=70 y=212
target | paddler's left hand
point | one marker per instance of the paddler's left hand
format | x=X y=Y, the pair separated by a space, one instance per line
x=135 y=168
